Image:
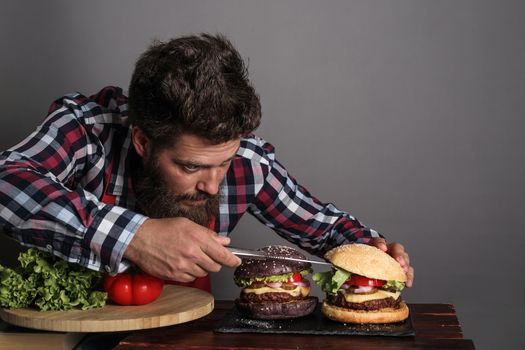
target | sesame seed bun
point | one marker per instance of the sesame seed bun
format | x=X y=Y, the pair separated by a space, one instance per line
x=251 y=268
x=366 y=260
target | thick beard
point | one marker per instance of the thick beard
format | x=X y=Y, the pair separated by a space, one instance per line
x=156 y=200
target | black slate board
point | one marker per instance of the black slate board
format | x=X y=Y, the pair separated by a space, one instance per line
x=315 y=323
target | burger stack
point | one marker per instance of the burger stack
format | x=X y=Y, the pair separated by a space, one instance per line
x=274 y=288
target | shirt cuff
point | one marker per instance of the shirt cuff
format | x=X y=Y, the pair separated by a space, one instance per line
x=109 y=235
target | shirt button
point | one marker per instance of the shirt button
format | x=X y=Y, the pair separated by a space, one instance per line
x=107 y=268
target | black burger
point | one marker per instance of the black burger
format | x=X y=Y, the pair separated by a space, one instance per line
x=274 y=288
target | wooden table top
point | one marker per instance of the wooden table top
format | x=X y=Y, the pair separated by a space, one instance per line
x=436 y=327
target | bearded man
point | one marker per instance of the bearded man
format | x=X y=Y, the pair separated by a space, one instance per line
x=161 y=178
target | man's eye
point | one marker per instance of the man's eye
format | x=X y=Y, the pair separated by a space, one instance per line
x=191 y=168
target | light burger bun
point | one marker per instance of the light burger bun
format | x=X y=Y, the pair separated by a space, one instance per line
x=378 y=306
x=366 y=260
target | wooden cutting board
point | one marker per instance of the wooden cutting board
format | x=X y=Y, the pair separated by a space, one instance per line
x=175 y=305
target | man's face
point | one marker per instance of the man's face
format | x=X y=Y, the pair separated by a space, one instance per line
x=184 y=180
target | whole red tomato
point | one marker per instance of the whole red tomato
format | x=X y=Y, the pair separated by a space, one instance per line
x=130 y=288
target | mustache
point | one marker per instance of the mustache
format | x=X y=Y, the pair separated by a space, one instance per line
x=198 y=196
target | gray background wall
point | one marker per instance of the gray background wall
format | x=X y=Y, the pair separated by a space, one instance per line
x=409 y=114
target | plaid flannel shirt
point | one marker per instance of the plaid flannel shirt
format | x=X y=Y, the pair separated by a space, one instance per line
x=51 y=185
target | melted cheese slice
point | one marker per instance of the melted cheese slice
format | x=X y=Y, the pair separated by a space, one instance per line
x=380 y=294
x=304 y=291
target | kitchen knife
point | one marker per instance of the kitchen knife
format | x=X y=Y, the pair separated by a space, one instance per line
x=256 y=254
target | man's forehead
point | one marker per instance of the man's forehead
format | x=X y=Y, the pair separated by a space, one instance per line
x=190 y=146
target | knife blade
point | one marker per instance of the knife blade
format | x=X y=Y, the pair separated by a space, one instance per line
x=255 y=254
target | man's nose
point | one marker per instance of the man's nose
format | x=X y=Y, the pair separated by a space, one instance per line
x=210 y=181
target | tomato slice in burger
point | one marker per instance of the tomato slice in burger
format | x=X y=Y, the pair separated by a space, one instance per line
x=357 y=280
x=295 y=277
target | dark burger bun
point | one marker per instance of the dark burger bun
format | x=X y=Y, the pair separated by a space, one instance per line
x=277 y=311
x=385 y=315
x=366 y=260
x=251 y=268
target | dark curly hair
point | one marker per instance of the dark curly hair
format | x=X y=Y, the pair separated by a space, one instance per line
x=194 y=84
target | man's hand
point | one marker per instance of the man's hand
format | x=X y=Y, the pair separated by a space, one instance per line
x=178 y=249
x=397 y=251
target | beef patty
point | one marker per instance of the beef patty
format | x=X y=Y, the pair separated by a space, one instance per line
x=279 y=297
x=339 y=300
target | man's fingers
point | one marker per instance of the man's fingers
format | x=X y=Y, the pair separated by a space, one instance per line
x=226 y=258
x=378 y=242
x=403 y=260
x=208 y=263
x=407 y=258
x=184 y=277
x=397 y=251
x=410 y=277
x=215 y=250
x=223 y=240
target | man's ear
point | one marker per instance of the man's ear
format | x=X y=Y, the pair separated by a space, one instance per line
x=140 y=141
